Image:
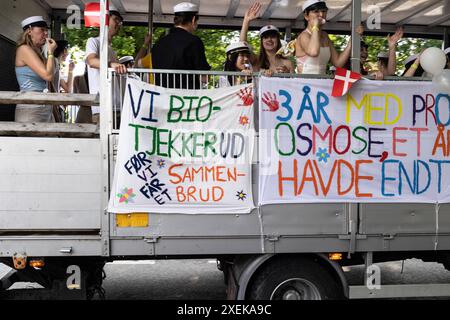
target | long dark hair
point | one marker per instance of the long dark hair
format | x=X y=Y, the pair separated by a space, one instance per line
x=230 y=63
x=263 y=59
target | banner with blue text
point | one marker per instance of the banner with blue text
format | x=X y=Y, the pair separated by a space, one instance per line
x=382 y=142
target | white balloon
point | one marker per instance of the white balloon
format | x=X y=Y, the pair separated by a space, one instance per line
x=433 y=60
x=441 y=81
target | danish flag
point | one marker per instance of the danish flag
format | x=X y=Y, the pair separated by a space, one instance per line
x=343 y=81
x=92 y=14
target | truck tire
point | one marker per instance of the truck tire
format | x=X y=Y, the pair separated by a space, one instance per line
x=294 y=279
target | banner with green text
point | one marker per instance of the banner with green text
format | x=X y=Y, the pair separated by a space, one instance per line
x=184 y=151
x=384 y=141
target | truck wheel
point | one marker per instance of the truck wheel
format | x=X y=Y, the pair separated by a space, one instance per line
x=294 y=279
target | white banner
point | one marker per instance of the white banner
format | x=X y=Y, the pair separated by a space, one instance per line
x=383 y=142
x=184 y=151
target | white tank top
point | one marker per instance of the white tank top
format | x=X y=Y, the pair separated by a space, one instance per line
x=314 y=65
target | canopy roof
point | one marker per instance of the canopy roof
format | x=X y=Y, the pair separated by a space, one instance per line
x=428 y=17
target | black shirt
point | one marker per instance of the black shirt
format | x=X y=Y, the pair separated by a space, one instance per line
x=179 y=50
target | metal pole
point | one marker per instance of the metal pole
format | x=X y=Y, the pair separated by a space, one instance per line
x=56 y=34
x=288 y=34
x=105 y=126
x=446 y=39
x=150 y=17
x=356 y=39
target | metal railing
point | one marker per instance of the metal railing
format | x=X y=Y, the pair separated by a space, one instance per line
x=181 y=79
x=172 y=79
x=198 y=80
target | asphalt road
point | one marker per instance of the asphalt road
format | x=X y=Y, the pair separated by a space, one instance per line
x=200 y=279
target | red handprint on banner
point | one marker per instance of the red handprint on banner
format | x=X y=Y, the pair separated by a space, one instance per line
x=246 y=96
x=270 y=99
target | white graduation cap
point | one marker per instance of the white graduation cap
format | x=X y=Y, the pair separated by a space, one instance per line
x=237 y=47
x=383 y=55
x=309 y=3
x=185 y=7
x=410 y=59
x=126 y=59
x=34 y=21
x=113 y=10
x=267 y=29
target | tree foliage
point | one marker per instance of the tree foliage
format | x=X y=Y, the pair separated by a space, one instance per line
x=405 y=48
x=130 y=39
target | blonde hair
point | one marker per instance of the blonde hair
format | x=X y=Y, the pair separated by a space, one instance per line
x=25 y=40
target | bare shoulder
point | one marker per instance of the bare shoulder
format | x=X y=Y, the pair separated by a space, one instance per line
x=23 y=53
x=24 y=49
x=304 y=35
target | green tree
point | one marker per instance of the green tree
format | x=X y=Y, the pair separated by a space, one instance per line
x=130 y=39
x=405 y=48
x=216 y=41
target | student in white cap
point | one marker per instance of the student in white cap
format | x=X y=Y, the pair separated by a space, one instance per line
x=383 y=61
x=268 y=59
x=33 y=70
x=413 y=67
x=447 y=53
x=238 y=60
x=127 y=61
x=387 y=61
x=93 y=58
x=332 y=70
x=181 y=49
x=314 y=49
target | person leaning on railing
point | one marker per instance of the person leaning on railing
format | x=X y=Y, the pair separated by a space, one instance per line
x=181 y=50
x=447 y=54
x=238 y=60
x=33 y=70
x=93 y=59
x=364 y=54
x=413 y=67
x=268 y=59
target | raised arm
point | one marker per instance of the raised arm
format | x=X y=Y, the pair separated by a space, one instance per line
x=310 y=44
x=340 y=59
x=392 y=42
x=143 y=50
x=251 y=14
x=27 y=56
x=412 y=70
x=93 y=59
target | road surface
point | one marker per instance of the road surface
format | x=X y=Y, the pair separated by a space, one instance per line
x=200 y=279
